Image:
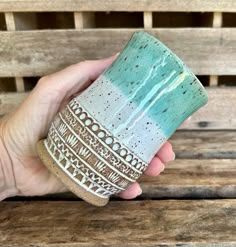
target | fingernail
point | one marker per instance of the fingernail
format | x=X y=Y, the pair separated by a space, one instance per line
x=163 y=168
x=117 y=54
x=173 y=158
x=139 y=191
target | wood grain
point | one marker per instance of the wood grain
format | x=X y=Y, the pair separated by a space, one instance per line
x=119 y=5
x=36 y=53
x=190 y=178
x=11 y=23
x=136 y=223
x=204 y=144
x=216 y=115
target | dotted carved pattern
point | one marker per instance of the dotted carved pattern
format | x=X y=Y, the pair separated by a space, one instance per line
x=89 y=154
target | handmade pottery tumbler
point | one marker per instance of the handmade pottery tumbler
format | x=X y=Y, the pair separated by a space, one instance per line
x=104 y=139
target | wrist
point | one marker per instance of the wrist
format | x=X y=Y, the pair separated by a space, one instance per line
x=7 y=178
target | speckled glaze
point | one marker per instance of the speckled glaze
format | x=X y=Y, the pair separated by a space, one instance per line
x=145 y=95
x=105 y=138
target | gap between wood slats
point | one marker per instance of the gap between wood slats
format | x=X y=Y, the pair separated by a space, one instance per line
x=205 y=51
x=118 y=5
x=218 y=114
x=137 y=223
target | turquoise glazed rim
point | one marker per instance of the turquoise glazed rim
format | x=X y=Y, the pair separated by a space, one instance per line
x=173 y=81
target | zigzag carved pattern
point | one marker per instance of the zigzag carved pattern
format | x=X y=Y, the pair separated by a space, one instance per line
x=58 y=149
x=84 y=153
x=88 y=157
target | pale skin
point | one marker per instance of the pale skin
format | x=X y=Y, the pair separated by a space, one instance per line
x=23 y=172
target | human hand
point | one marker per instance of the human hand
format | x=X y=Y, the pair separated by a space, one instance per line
x=21 y=130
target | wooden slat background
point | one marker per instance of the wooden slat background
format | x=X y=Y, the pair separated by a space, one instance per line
x=118 y=5
x=172 y=210
x=141 y=223
x=36 y=53
x=197 y=144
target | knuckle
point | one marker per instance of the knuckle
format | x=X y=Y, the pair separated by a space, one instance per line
x=42 y=81
x=82 y=64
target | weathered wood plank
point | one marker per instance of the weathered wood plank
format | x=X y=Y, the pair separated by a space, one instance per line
x=137 y=223
x=118 y=5
x=35 y=53
x=11 y=23
x=204 y=144
x=212 y=178
x=217 y=114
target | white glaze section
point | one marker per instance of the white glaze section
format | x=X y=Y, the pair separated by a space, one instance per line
x=106 y=103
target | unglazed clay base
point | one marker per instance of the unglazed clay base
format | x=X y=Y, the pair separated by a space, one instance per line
x=69 y=183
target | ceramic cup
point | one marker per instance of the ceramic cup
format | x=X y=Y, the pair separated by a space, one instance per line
x=104 y=139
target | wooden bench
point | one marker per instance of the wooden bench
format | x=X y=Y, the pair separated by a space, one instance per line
x=193 y=203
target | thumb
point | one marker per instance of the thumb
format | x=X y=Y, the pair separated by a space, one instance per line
x=74 y=78
x=32 y=119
